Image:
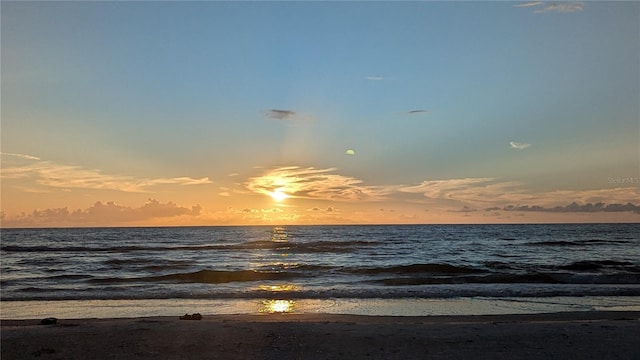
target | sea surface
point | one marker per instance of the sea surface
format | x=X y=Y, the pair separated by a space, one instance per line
x=321 y=262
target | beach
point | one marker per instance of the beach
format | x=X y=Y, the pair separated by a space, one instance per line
x=566 y=335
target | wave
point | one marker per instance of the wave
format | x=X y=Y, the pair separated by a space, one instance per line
x=300 y=247
x=599 y=265
x=208 y=277
x=218 y=277
x=577 y=242
x=535 y=278
x=147 y=264
x=419 y=268
x=384 y=292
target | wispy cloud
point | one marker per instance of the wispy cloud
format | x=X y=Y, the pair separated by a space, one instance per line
x=51 y=174
x=565 y=7
x=464 y=190
x=375 y=78
x=529 y=4
x=22 y=156
x=315 y=183
x=495 y=194
x=561 y=7
x=518 y=146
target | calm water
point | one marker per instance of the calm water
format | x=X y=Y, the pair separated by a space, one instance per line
x=321 y=262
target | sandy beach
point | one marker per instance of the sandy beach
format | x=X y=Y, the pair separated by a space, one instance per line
x=575 y=335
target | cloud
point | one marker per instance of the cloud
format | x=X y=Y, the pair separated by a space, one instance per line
x=496 y=194
x=518 y=146
x=564 y=7
x=465 y=209
x=529 y=4
x=575 y=207
x=54 y=175
x=100 y=213
x=328 y=209
x=375 y=78
x=288 y=116
x=419 y=111
x=280 y=114
x=453 y=189
x=224 y=191
x=561 y=7
x=312 y=183
x=23 y=156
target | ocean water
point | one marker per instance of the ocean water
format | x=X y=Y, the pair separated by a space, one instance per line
x=321 y=262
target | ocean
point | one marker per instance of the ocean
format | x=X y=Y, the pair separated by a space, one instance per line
x=318 y=263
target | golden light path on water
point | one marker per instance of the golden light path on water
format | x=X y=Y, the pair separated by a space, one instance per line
x=277 y=305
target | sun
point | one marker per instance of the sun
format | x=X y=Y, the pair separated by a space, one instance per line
x=278 y=195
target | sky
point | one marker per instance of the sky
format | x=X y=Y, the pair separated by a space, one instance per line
x=262 y=113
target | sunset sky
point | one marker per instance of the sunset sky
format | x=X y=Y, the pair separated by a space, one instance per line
x=234 y=113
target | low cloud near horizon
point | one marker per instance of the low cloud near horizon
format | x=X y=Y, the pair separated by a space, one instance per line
x=574 y=207
x=318 y=188
x=101 y=214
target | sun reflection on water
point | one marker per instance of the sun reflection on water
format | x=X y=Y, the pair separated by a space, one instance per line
x=277 y=306
x=279 y=234
x=278 y=287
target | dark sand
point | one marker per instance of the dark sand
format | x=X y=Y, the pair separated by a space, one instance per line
x=579 y=335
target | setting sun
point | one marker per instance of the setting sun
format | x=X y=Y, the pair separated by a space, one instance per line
x=278 y=195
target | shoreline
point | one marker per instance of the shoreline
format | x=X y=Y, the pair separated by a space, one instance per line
x=554 y=317
x=582 y=334
x=410 y=307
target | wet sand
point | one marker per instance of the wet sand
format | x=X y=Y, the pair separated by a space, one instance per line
x=575 y=335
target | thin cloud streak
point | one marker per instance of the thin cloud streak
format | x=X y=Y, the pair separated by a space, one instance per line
x=561 y=7
x=567 y=7
x=480 y=192
x=288 y=116
x=279 y=114
x=518 y=146
x=529 y=4
x=23 y=156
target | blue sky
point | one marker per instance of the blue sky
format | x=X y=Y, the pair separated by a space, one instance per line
x=220 y=95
